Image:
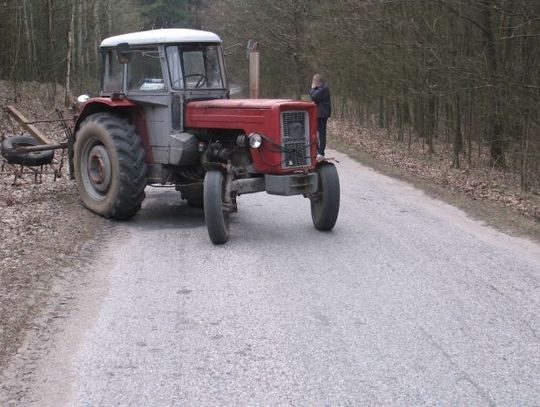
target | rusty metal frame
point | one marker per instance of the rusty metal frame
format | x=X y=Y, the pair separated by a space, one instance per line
x=27 y=124
x=18 y=170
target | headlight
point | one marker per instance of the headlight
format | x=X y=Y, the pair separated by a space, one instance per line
x=255 y=140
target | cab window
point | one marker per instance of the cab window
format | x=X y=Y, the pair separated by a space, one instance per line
x=175 y=69
x=112 y=72
x=144 y=71
x=195 y=66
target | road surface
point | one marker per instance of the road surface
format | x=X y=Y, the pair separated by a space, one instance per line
x=406 y=302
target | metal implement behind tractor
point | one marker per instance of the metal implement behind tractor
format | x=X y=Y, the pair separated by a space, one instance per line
x=164 y=117
x=33 y=151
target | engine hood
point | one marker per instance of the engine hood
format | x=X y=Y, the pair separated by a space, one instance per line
x=247 y=114
x=268 y=117
x=244 y=103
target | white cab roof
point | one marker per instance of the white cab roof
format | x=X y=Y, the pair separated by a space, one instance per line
x=165 y=35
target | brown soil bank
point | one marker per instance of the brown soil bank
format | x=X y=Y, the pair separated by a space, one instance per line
x=43 y=227
x=488 y=194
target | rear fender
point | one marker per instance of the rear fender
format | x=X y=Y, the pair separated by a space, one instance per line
x=124 y=108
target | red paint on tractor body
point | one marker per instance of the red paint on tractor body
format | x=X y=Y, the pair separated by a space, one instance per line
x=133 y=111
x=261 y=116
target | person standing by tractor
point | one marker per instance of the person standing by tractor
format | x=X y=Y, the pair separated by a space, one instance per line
x=320 y=94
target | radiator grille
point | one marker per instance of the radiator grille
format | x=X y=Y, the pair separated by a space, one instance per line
x=295 y=139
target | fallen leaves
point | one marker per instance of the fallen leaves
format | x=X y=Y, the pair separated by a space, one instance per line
x=42 y=223
x=478 y=181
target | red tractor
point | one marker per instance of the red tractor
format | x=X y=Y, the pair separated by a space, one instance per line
x=164 y=117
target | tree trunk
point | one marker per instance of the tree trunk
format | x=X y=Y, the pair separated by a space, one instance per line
x=432 y=105
x=495 y=139
x=97 y=24
x=28 y=40
x=67 y=96
x=525 y=160
x=458 y=136
x=79 y=63
x=382 y=113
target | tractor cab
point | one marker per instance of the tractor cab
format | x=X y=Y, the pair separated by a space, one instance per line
x=160 y=70
x=164 y=62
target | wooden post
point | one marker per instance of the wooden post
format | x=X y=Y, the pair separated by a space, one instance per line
x=254 y=86
x=30 y=128
x=69 y=56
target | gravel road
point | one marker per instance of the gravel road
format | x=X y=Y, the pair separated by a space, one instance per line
x=406 y=302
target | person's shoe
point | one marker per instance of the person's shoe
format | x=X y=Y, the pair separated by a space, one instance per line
x=320 y=158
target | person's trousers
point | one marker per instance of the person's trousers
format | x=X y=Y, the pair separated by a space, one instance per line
x=321 y=128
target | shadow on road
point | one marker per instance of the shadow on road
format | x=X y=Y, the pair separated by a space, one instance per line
x=164 y=209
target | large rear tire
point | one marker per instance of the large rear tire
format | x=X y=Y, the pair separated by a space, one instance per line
x=110 y=166
x=325 y=202
x=217 y=219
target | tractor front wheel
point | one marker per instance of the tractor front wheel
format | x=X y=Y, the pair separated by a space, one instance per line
x=110 y=166
x=215 y=214
x=325 y=202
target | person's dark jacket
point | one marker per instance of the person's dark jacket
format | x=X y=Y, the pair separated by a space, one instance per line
x=321 y=96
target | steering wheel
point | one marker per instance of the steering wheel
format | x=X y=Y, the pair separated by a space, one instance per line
x=201 y=80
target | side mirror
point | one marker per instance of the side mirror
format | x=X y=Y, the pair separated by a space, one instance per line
x=124 y=53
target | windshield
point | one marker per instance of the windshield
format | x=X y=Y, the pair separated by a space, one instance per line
x=195 y=66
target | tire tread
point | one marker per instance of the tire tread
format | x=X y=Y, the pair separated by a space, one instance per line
x=131 y=162
x=329 y=182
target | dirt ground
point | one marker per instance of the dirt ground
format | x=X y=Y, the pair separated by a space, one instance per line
x=45 y=230
x=43 y=226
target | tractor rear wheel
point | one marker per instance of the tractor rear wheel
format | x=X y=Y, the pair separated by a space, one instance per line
x=110 y=166
x=217 y=218
x=325 y=202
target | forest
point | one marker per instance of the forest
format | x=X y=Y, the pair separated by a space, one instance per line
x=460 y=72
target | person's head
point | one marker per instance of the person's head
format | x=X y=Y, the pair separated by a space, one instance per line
x=318 y=79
